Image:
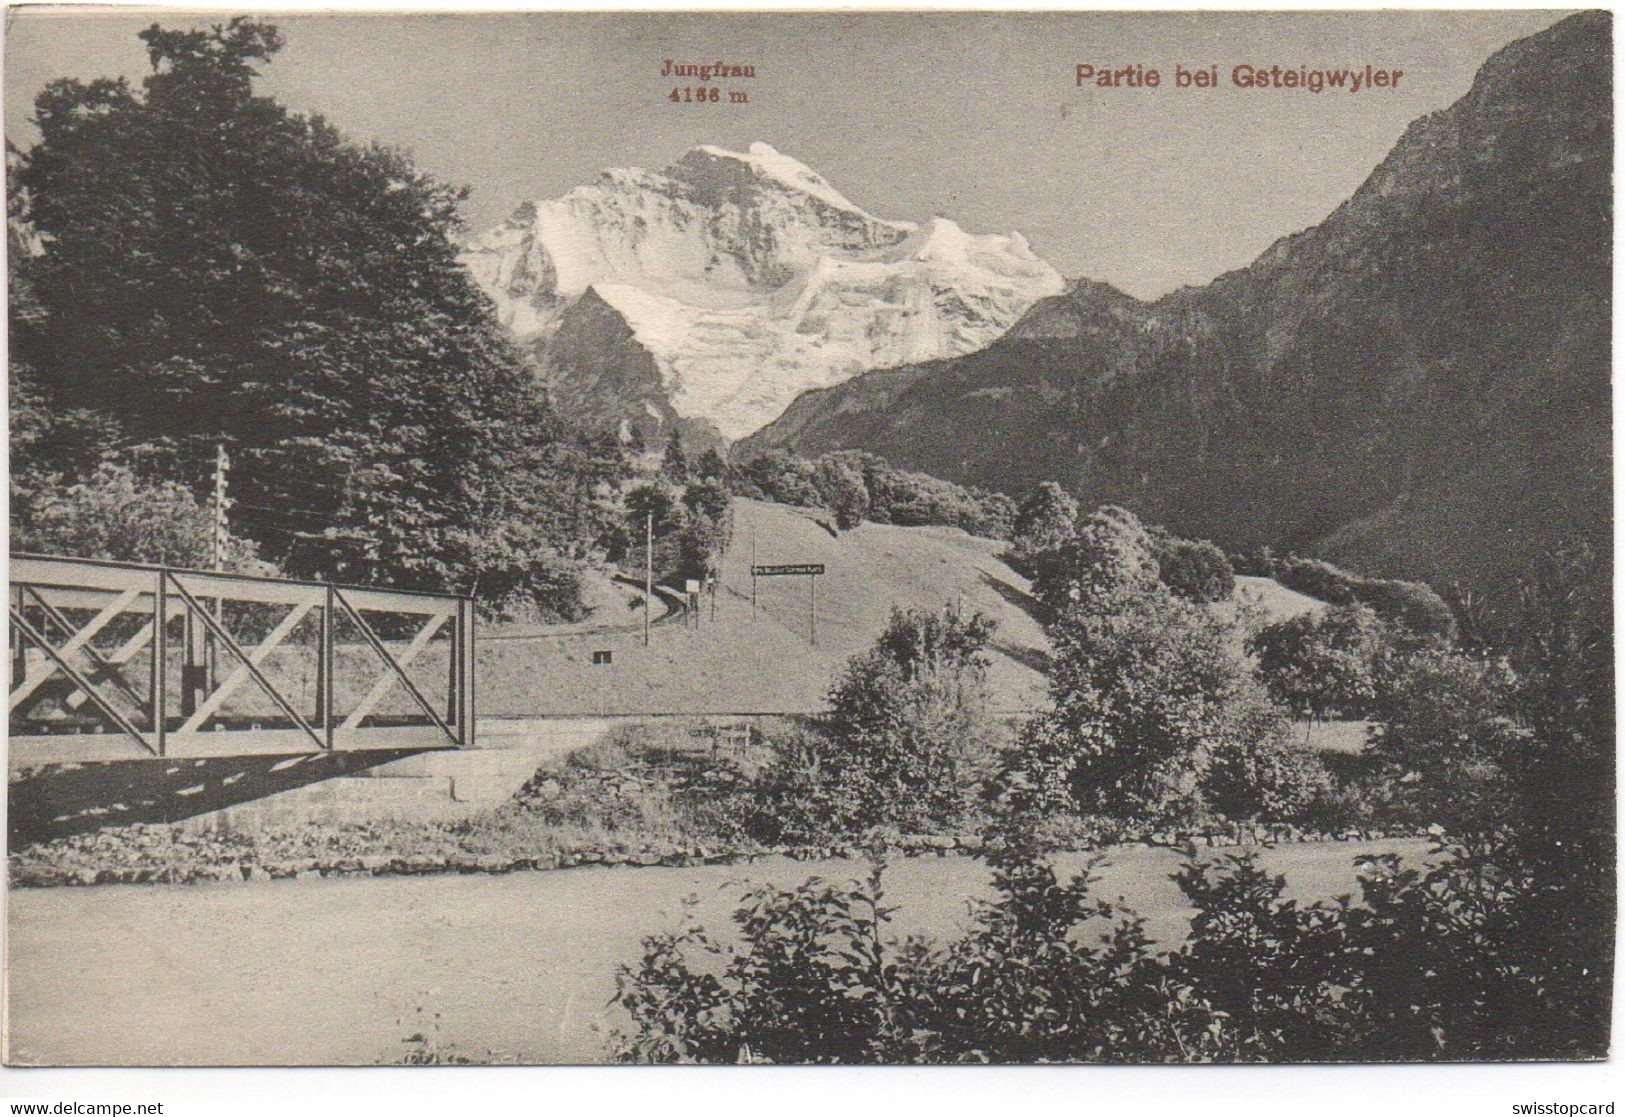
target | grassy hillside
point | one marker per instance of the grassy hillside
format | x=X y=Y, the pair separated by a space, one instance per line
x=766 y=664
x=736 y=664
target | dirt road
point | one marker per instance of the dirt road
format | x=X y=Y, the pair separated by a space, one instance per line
x=517 y=967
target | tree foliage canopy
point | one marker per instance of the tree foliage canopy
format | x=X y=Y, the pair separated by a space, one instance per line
x=1154 y=710
x=213 y=268
x=906 y=722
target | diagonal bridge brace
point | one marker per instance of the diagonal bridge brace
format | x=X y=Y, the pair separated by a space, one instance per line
x=395 y=669
x=77 y=640
x=249 y=663
x=66 y=612
x=123 y=723
x=206 y=709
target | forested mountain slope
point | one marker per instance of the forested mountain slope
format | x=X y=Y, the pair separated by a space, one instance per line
x=1418 y=385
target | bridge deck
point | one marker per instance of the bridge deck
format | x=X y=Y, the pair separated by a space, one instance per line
x=74 y=748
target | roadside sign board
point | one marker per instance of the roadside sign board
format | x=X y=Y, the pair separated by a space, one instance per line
x=787 y=568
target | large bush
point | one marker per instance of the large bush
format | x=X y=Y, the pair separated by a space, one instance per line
x=518 y=574
x=1194 y=569
x=1316 y=578
x=691 y=528
x=1437 y=961
x=1045 y=521
x=115 y=515
x=1449 y=734
x=1109 y=550
x=842 y=490
x=1410 y=606
x=1320 y=663
x=1155 y=715
x=906 y=732
x=779 y=477
x=1153 y=711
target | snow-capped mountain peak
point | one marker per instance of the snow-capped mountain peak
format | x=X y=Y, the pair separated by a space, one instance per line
x=766 y=162
x=743 y=279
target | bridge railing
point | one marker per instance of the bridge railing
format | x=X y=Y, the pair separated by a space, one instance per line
x=179 y=662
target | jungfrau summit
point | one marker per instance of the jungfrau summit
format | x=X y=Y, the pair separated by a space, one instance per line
x=710 y=294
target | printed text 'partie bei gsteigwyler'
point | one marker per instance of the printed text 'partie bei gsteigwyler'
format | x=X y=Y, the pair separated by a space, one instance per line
x=1307 y=79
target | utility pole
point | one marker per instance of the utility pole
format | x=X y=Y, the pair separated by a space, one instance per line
x=648 y=571
x=812 y=609
x=217 y=537
x=753 y=574
x=198 y=670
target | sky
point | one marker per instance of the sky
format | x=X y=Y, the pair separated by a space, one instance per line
x=972 y=116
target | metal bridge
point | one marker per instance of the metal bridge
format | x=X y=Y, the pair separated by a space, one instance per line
x=113 y=660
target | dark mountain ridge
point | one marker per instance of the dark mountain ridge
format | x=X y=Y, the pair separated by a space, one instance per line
x=1418 y=385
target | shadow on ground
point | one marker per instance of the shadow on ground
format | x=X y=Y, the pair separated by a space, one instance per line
x=1015 y=595
x=60 y=800
x=1032 y=658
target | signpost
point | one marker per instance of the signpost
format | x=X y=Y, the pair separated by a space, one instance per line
x=808 y=570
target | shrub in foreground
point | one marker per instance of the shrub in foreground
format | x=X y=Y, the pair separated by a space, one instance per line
x=1431 y=964
x=906 y=728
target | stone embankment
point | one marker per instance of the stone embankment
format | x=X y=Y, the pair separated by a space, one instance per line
x=158 y=856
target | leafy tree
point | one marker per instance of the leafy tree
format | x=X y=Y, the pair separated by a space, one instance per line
x=710 y=527
x=901 y=497
x=801 y=986
x=1447 y=724
x=214 y=268
x=1316 y=578
x=906 y=723
x=1045 y=521
x=1410 y=607
x=1194 y=569
x=1438 y=961
x=674 y=464
x=1154 y=713
x=857 y=486
x=780 y=477
x=112 y=515
x=1110 y=550
x=652 y=507
x=843 y=492
x=50 y=448
x=691 y=528
x=1563 y=823
x=710 y=466
x=709 y=498
x=1322 y=662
